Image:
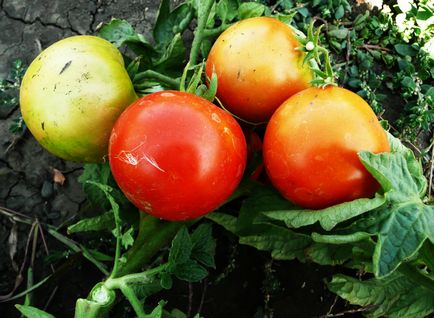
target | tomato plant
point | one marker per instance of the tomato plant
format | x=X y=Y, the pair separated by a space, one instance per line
x=72 y=94
x=177 y=156
x=311 y=145
x=259 y=65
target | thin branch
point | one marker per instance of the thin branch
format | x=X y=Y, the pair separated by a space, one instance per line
x=373 y=47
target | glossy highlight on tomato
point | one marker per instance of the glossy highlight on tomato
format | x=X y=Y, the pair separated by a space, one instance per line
x=259 y=64
x=72 y=94
x=311 y=145
x=177 y=156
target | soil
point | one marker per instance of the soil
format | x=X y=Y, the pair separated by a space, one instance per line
x=246 y=282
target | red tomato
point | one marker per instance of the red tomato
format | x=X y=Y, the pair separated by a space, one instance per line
x=177 y=156
x=311 y=145
x=258 y=63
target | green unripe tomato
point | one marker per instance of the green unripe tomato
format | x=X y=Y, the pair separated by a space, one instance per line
x=72 y=94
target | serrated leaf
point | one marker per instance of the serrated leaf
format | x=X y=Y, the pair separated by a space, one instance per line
x=394 y=297
x=203 y=245
x=120 y=32
x=325 y=254
x=170 y=23
x=101 y=222
x=328 y=218
x=101 y=174
x=127 y=238
x=190 y=271
x=226 y=10
x=404 y=223
x=173 y=55
x=393 y=173
x=282 y=243
x=252 y=230
x=250 y=9
x=402 y=235
x=98 y=173
x=229 y=222
x=33 y=312
x=181 y=248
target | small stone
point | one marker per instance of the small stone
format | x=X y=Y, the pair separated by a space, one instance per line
x=47 y=190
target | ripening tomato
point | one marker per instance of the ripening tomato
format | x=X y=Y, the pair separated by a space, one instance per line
x=177 y=156
x=259 y=64
x=72 y=94
x=311 y=145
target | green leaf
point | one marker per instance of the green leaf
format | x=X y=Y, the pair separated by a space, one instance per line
x=254 y=230
x=120 y=32
x=325 y=254
x=172 y=57
x=250 y=9
x=157 y=312
x=339 y=13
x=127 y=238
x=404 y=222
x=226 y=10
x=203 y=245
x=181 y=249
x=211 y=91
x=166 y=280
x=394 y=296
x=32 y=312
x=229 y=222
x=282 y=243
x=328 y=218
x=170 y=23
x=394 y=172
x=103 y=222
x=338 y=33
x=402 y=235
x=190 y=271
x=98 y=173
x=405 y=50
x=340 y=239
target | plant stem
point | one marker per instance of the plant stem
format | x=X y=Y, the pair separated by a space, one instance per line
x=153 y=235
x=200 y=34
x=150 y=74
x=134 y=301
x=216 y=31
x=143 y=277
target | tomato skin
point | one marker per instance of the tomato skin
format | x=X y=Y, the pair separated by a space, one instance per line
x=177 y=156
x=72 y=94
x=311 y=145
x=258 y=65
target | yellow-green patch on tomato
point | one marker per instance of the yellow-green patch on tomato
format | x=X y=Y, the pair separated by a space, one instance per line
x=72 y=94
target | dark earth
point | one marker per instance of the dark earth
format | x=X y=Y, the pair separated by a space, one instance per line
x=246 y=283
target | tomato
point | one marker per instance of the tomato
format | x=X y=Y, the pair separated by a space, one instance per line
x=177 y=156
x=72 y=94
x=259 y=65
x=311 y=145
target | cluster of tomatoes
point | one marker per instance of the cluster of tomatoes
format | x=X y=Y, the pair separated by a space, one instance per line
x=178 y=156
